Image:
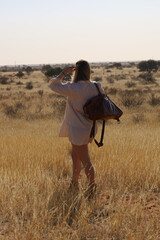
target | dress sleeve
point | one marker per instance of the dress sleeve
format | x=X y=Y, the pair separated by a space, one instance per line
x=62 y=88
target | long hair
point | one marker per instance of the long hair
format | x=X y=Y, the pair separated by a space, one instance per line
x=82 y=71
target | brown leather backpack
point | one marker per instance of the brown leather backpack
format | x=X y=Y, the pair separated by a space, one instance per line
x=101 y=107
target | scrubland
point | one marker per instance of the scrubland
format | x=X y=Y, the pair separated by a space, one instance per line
x=36 y=166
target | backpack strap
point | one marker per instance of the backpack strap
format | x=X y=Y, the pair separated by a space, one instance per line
x=98 y=88
x=99 y=144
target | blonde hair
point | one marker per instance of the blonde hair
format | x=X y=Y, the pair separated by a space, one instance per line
x=82 y=71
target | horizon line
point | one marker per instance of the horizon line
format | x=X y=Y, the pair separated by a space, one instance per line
x=63 y=63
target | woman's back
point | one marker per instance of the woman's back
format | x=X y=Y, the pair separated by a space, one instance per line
x=81 y=92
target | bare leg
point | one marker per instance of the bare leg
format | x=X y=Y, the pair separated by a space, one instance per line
x=80 y=154
x=76 y=165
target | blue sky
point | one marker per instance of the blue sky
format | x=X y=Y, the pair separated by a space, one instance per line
x=64 y=31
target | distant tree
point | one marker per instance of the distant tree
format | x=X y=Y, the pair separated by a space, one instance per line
x=48 y=71
x=51 y=72
x=28 y=69
x=148 y=66
x=46 y=68
x=117 y=65
x=158 y=62
x=4 y=68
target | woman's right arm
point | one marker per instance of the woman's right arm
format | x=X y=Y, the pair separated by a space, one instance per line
x=56 y=83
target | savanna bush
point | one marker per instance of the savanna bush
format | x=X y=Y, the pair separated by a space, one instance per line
x=112 y=91
x=147 y=78
x=51 y=72
x=132 y=98
x=19 y=83
x=20 y=74
x=29 y=85
x=148 y=66
x=3 y=80
x=154 y=100
x=138 y=118
x=13 y=110
x=40 y=92
x=58 y=106
x=130 y=84
x=110 y=79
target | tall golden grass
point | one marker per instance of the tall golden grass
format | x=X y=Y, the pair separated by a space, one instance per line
x=36 y=168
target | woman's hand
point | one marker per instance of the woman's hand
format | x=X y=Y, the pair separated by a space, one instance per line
x=69 y=70
x=65 y=71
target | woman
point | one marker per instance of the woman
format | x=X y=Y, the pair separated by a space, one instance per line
x=75 y=125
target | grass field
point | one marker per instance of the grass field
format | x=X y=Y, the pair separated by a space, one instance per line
x=36 y=166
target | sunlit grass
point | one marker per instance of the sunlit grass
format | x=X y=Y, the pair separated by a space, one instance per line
x=35 y=173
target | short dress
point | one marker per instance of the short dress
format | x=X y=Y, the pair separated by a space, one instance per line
x=76 y=126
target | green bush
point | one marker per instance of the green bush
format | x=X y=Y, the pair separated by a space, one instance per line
x=52 y=72
x=148 y=66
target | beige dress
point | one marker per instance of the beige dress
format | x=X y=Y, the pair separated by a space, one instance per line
x=75 y=125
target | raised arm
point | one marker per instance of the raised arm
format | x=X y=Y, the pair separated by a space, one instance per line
x=56 y=83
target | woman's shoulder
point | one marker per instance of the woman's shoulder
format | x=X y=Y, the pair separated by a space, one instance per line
x=98 y=83
x=84 y=84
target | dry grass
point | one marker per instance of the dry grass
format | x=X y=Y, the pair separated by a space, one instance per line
x=35 y=171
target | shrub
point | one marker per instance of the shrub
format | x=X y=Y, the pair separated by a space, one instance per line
x=51 y=72
x=110 y=79
x=148 y=66
x=40 y=92
x=11 y=81
x=119 y=77
x=154 y=101
x=12 y=110
x=19 y=83
x=3 y=80
x=45 y=68
x=138 y=118
x=117 y=65
x=112 y=91
x=9 y=111
x=59 y=106
x=20 y=74
x=132 y=98
x=130 y=84
x=147 y=78
x=28 y=69
x=29 y=85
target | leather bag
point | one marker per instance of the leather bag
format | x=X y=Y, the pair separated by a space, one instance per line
x=101 y=107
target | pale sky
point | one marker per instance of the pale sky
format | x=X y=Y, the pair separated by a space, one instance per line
x=64 y=31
